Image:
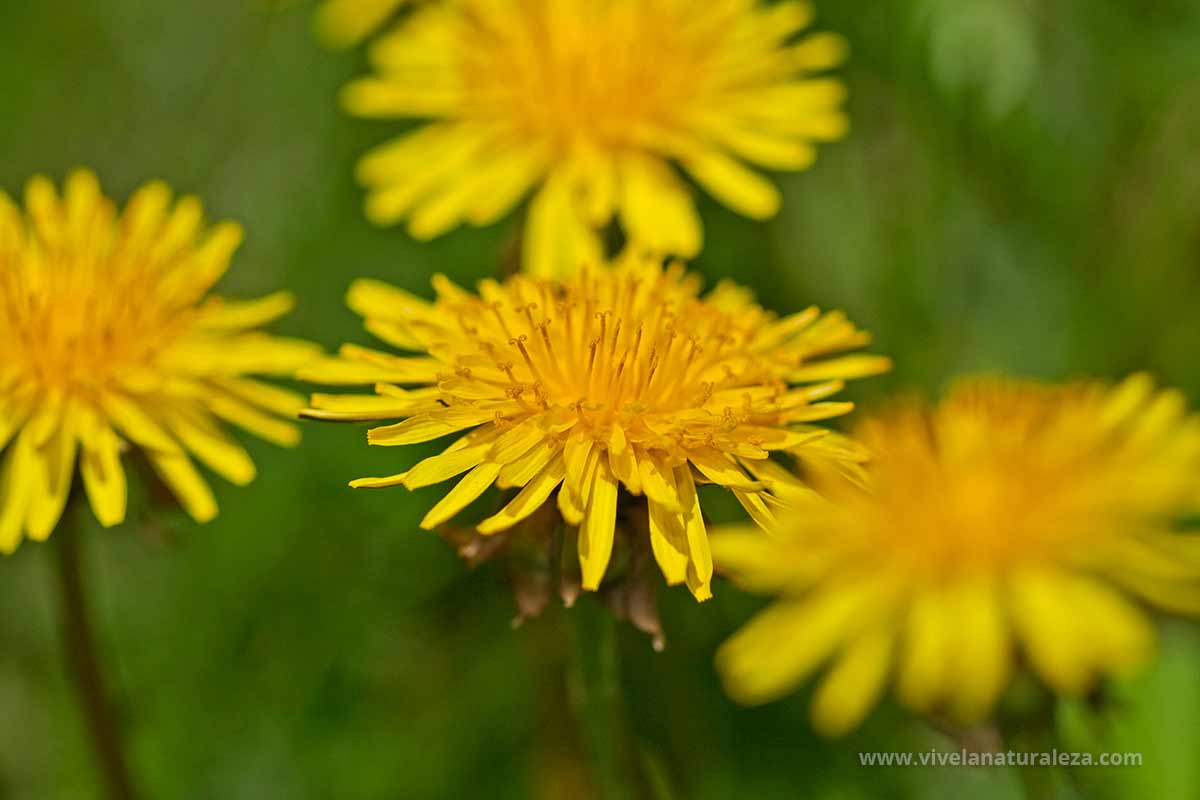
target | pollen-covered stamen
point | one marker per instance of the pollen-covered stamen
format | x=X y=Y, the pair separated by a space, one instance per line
x=528 y=310
x=519 y=343
x=496 y=311
x=616 y=337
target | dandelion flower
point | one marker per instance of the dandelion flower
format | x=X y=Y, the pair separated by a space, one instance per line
x=344 y=23
x=623 y=375
x=586 y=104
x=110 y=343
x=1014 y=524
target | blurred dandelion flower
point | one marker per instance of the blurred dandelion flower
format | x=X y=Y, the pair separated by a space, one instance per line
x=623 y=375
x=585 y=103
x=110 y=342
x=1014 y=523
x=344 y=23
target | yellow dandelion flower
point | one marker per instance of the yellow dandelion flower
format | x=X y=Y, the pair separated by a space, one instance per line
x=110 y=342
x=1012 y=524
x=586 y=103
x=344 y=23
x=623 y=375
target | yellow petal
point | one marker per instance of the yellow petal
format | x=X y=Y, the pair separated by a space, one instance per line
x=379 y=483
x=370 y=298
x=1120 y=635
x=844 y=368
x=528 y=500
x=854 y=684
x=523 y=469
x=758 y=145
x=578 y=448
x=103 y=474
x=54 y=466
x=508 y=180
x=721 y=469
x=462 y=495
x=739 y=188
x=380 y=98
x=212 y=446
x=658 y=482
x=44 y=208
x=757 y=508
x=436 y=469
x=16 y=490
x=345 y=372
x=144 y=215
x=343 y=23
x=700 y=565
x=599 y=527
x=656 y=209
x=221 y=314
x=980 y=648
x=364 y=407
x=925 y=655
x=251 y=419
x=264 y=395
x=11 y=421
x=516 y=442
x=557 y=241
x=189 y=488
x=668 y=540
x=179 y=233
x=82 y=198
x=425 y=428
x=624 y=463
x=820 y=51
x=131 y=420
x=780 y=647
x=572 y=497
x=1053 y=638
x=207 y=264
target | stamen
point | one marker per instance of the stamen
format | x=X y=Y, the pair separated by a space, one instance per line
x=519 y=342
x=603 y=317
x=592 y=348
x=529 y=309
x=615 y=338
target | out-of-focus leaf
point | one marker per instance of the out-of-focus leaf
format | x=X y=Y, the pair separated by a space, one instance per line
x=1156 y=715
x=982 y=47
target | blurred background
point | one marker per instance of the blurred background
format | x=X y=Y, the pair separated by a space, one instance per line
x=1021 y=193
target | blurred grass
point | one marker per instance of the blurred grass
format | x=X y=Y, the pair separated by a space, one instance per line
x=1020 y=193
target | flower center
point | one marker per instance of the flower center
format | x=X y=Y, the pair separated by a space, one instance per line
x=76 y=327
x=986 y=491
x=615 y=350
x=608 y=73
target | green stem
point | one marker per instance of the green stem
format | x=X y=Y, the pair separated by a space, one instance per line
x=595 y=692
x=1036 y=736
x=1038 y=782
x=84 y=663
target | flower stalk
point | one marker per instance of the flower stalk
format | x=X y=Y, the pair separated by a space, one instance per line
x=84 y=665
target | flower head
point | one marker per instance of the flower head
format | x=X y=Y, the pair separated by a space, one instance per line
x=623 y=375
x=110 y=342
x=586 y=103
x=1012 y=523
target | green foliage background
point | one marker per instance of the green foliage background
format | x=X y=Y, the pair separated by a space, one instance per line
x=1021 y=193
